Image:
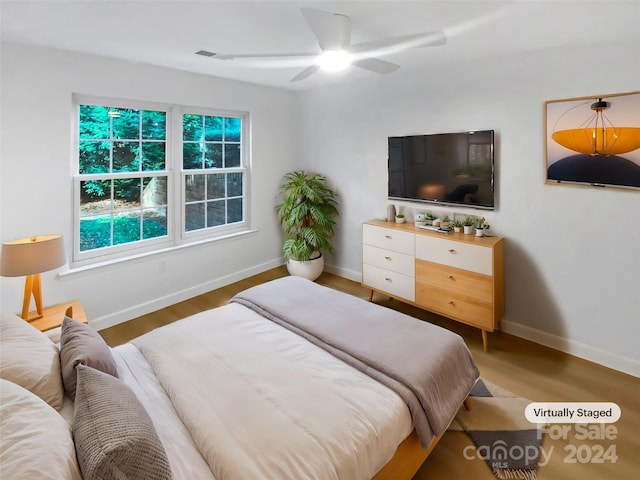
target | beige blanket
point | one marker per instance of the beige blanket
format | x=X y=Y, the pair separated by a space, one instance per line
x=429 y=367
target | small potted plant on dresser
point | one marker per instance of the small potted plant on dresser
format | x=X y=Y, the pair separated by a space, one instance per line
x=306 y=213
x=429 y=217
x=400 y=218
x=481 y=226
x=445 y=222
x=467 y=224
x=457 y=225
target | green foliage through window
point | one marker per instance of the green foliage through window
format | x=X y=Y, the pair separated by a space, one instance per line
x=212 y=143
x=128 y=142
x=124 y=167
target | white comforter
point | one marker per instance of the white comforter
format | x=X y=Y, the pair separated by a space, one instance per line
x=260 y=402
x=185 y=459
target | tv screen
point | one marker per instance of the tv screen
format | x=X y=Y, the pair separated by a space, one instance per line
x=445 y=168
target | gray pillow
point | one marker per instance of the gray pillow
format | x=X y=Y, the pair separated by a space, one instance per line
x=113 y=433
x=79 y=343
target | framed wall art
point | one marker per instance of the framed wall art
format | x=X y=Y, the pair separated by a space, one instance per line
x=594 y=141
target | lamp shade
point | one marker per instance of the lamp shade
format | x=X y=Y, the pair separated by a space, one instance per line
x=32 y=255
x=599 y=141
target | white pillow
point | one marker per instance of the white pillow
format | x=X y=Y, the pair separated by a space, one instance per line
x=36 y=442
x=30 y=359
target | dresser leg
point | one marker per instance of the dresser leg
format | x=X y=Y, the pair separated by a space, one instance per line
x=371 y=295
x=485 y=341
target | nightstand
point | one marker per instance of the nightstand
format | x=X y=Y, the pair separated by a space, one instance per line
x=52 y=316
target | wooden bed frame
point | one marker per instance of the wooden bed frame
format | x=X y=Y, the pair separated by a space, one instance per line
x=409 y=456
x=407 y=460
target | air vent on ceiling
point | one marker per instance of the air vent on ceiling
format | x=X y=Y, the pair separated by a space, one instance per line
x=205 y=53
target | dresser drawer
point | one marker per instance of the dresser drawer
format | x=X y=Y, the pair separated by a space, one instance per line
x=388 y=259
x=458 y=307
x=389 y=239
x=455 y=254
x=393 y=283
x=456 y=280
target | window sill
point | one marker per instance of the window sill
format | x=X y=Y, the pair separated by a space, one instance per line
x=72 y=271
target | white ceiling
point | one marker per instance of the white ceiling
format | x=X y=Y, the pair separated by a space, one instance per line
x=168 y=33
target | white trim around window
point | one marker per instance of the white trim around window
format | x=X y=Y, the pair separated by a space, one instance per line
x=177 y=233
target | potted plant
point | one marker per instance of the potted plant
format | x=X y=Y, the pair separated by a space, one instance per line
x=467 y=224
x=457 y=225
x=306 y=213
x=445 y=222
x=400 y=218
x=429 y=217
x=481 y=226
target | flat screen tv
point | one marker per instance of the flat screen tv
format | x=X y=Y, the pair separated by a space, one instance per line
x=443 y=168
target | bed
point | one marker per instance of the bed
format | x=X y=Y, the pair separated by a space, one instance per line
x=290 y=380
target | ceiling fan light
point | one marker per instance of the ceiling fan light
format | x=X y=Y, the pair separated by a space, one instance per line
x=334 y=60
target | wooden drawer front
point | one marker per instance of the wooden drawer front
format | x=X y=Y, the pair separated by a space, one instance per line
x=389 y=260
x=393 y=283
x=456 y=280
x=455 y=254
x=458 y=307
x=388 y=238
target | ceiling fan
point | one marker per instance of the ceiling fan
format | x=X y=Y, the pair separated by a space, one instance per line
x=333 y=32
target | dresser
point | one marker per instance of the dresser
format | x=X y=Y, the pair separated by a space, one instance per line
x=458 y=276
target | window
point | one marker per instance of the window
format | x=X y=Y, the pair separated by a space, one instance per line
x=122 y=163
x=129 y=156
x=213 y=177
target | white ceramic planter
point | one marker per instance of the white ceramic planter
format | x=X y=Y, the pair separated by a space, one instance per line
x=310 y=269
x=468 y=229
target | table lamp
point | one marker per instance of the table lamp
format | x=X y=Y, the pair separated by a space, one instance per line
x=32 y=256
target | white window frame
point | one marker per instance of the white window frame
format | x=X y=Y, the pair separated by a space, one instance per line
x=176 y=234
x=220 y=230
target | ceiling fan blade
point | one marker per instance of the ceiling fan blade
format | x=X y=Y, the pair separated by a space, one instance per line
x=307 y=72
x=221 y=56
x=391 y=45
x=376 y=65
x=332 y=30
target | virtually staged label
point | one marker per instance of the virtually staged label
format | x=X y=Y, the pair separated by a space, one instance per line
x=572 y=412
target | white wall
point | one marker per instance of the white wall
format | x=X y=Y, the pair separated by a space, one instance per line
x=572 y=253
x=572 y=260
x=36 y=187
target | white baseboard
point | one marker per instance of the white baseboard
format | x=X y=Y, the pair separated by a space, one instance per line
x=627 y=365
x=157 y=303
x=344 y=273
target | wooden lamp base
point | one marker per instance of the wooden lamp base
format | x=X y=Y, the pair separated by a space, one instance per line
x=32 y=286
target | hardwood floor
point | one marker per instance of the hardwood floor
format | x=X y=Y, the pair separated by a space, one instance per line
x=525 y=368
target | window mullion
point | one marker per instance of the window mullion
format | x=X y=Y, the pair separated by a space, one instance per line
x=174 y=136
